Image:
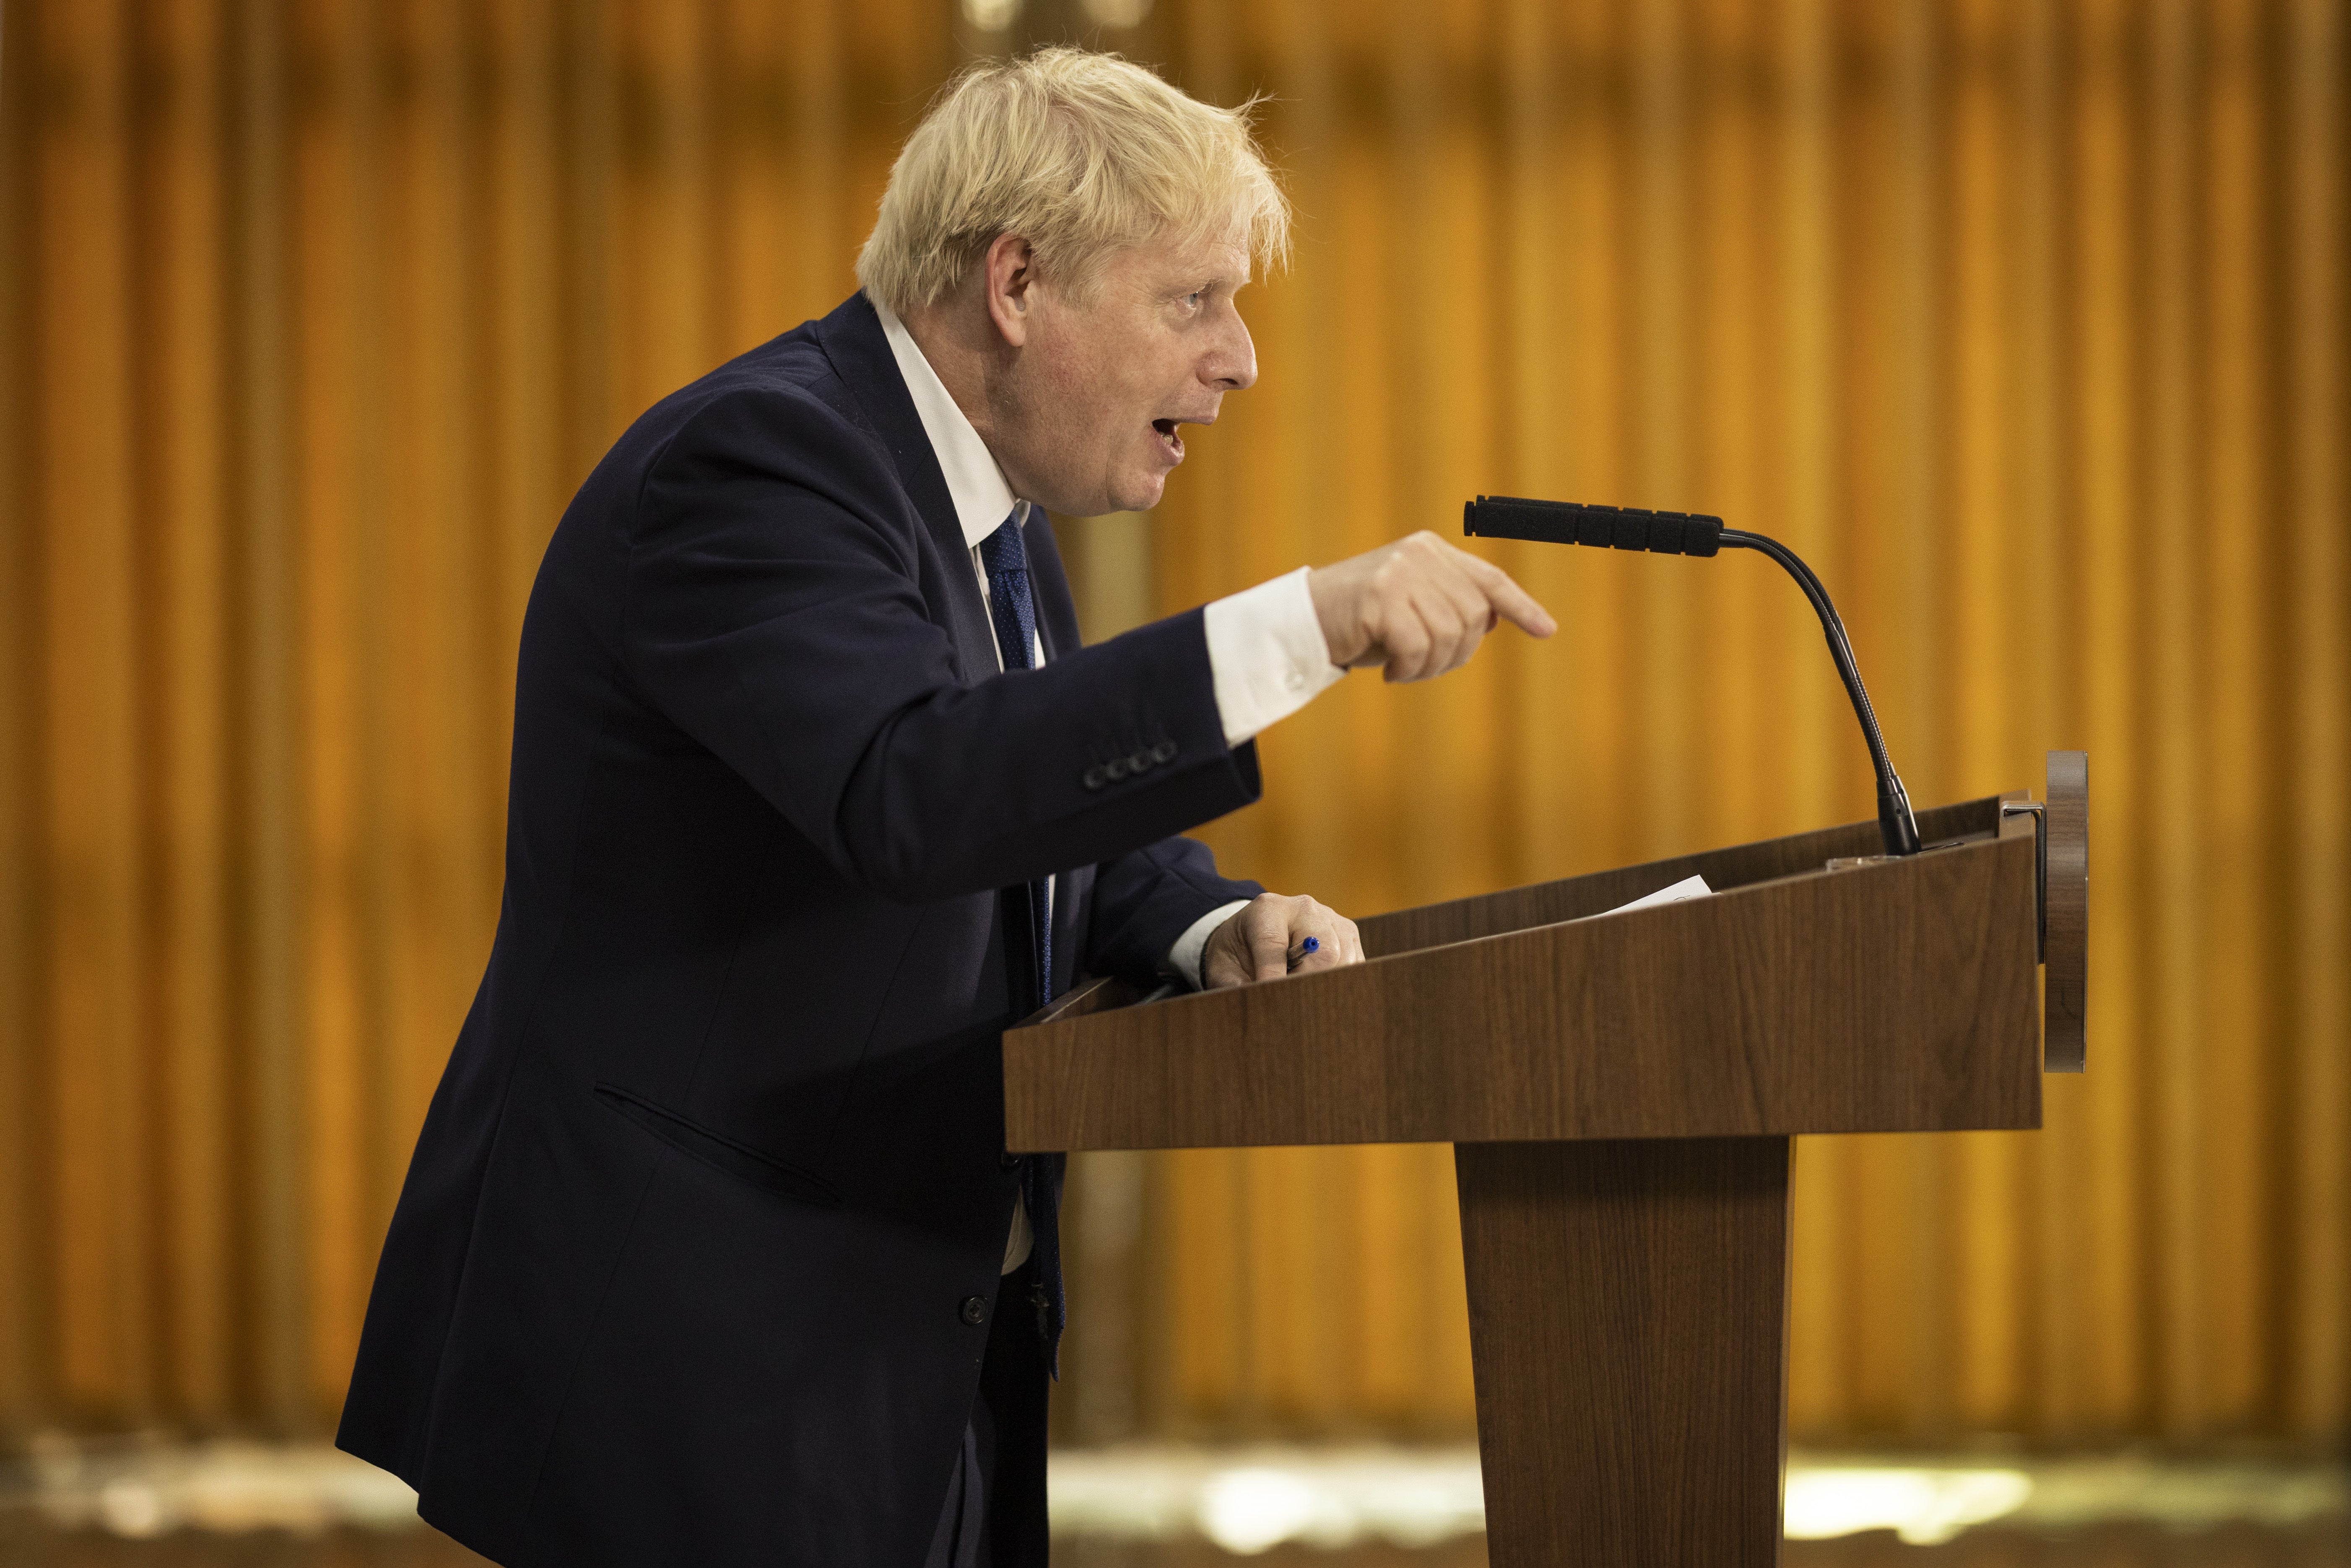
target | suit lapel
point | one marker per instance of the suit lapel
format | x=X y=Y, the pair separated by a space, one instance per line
x=853 y=341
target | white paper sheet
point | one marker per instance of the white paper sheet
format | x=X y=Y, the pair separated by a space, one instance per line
x=1689 y=887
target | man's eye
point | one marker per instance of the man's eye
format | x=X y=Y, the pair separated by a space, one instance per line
x=1196 y=298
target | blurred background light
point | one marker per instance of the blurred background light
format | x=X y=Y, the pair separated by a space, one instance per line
x=991 y=15
x=1923 y=1507
x=1245 y=1500
x=1117 y=13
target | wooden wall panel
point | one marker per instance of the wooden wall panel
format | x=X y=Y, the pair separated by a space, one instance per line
x=2021 y=319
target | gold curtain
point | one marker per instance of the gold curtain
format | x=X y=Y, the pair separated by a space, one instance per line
x=315 y=313
x=2023 y=320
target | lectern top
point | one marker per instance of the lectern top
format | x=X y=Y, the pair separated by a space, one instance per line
x=1898 y=997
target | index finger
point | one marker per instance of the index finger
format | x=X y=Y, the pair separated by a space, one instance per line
x=1515 y=604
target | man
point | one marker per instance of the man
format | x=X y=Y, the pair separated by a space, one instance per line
x=711 y=1252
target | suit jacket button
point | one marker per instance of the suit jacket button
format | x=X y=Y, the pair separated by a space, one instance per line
x=975 y=1310
x=1093 y=778
x=1008 y=1160
x=1163 y=752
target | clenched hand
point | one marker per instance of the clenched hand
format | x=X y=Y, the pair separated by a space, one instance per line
x=1257 y=942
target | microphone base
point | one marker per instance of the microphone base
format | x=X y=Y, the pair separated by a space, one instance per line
x=1895 y=823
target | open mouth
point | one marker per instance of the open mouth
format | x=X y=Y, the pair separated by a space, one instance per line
x=1168 y=438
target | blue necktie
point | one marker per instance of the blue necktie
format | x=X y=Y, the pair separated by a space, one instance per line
x=1005 y=556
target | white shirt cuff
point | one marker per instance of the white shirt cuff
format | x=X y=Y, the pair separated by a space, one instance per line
x=1183 y=959
x=1266 y=653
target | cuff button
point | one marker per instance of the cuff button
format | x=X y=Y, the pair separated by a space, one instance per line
x=1140 y=762
x=1115 y=770
x=1163 y=752
x=1295 y=680
x=1093 y=778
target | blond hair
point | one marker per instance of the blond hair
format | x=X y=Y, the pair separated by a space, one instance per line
x=1079 y=153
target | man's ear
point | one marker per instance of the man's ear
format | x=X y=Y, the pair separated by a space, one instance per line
x=1007 y=274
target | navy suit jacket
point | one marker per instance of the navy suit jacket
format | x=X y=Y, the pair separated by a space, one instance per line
x=680 y=1269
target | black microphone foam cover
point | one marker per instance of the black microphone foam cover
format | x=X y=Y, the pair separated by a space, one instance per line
x=1602 y=527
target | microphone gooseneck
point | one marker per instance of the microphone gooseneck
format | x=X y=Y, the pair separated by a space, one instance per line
x=1896 y=824
x=1688 y=533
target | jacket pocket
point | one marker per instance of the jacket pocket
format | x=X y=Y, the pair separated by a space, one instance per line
x=717 y=1150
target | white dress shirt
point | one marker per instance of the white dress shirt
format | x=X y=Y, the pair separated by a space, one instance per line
x=1266 y=653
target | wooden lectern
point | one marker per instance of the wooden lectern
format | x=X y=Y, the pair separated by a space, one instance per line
x=1620 y=1094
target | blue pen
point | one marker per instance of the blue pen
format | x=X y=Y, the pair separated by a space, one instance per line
x=1311 y=945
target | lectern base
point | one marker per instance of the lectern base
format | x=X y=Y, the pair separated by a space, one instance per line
x=1628 y=1305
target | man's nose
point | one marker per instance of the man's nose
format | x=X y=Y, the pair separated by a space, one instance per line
x=1232 y=362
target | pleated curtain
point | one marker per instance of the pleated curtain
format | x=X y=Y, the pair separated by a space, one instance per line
x=2023 y=320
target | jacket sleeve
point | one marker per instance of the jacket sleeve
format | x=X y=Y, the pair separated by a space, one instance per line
x=773 y=613
x=1144 y=900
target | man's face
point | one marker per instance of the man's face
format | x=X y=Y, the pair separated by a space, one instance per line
x=1088 y=417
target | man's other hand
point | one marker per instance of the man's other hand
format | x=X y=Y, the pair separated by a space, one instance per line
x=1419 y=607
x=1256 y=943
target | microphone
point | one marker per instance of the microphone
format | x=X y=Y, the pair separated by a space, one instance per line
x=1688 y=533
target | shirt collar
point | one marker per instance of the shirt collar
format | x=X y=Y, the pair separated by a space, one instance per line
x=983 y=497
